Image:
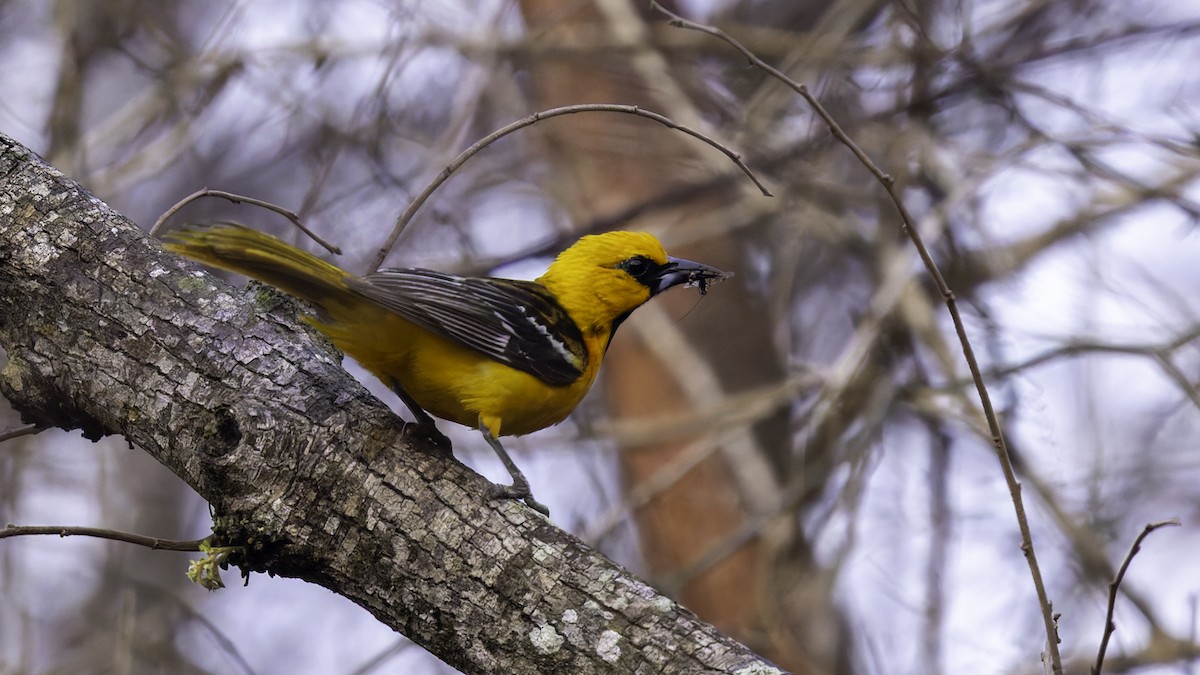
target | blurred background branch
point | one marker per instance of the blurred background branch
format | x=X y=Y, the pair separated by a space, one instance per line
x=797 y=458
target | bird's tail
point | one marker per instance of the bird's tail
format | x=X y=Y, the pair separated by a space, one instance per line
x=263 y=257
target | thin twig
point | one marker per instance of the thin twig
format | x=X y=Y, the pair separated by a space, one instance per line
x=18 y=432
x=482 y=143
x=101 y=533
x=1109 y=626
x=908 y=225
x=238 y=199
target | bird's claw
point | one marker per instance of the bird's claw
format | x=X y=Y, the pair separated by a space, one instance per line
x=519 y=491
x=428 y=432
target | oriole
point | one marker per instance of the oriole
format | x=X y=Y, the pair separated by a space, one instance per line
x=504 y=356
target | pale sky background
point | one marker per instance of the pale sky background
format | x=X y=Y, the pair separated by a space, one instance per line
x=1136 y=280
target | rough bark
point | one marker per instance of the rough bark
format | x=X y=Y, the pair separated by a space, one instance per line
x=107 y=333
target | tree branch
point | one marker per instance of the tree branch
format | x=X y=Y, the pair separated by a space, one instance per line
x=23 y=430
x=404 y=218
x=1114 y=587
x=153 y=543
x=908 y=225
x=108 y=334
x=238 y=199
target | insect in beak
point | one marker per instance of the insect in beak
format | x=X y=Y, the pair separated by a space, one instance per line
x=679 y=271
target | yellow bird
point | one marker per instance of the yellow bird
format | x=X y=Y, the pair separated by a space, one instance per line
x=506 y=357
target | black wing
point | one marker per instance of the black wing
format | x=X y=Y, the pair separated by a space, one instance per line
x=517 y=323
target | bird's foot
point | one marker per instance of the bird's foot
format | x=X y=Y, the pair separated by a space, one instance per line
x=428 y=432
x=518 y=490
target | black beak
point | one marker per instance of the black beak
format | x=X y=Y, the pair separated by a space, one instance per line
x=679 y=271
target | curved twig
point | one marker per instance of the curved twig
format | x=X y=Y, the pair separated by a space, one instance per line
x=909 y=227
x=1109 y=626
x=404 y=218
x=238 y=199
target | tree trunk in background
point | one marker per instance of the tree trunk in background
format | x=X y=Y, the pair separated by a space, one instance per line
x=768 y=593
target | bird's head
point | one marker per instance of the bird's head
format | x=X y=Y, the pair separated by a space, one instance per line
x=603 y=277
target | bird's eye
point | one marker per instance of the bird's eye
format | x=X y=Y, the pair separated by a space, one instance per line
x=637 y=266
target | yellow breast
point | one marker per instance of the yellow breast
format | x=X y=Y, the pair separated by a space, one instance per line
x=455 y=383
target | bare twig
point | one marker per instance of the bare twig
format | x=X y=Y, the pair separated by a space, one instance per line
x=1085 y=346
x=18 y=432
x=1162 y=354
x=908 y=225
x=238 y=199
x=1109 y=626
x=127 y=537
x=482 y=143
